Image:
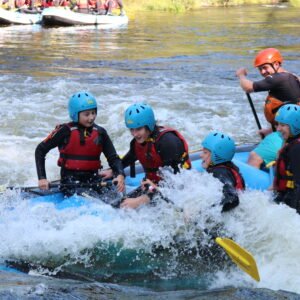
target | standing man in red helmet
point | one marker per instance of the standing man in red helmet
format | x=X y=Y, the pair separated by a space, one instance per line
x=282 y=87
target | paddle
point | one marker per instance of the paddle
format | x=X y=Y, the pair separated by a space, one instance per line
x=88 y=193
x=239 y=256
x=58 y=185
x=254 y=112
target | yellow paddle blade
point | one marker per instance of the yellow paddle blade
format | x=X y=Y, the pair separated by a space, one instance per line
x=239 y=256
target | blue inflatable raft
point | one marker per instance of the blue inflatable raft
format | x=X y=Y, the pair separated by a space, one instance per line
x=254 y=179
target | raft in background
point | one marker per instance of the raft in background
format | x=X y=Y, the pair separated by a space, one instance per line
x=63 y=16
x=60 y=16
x=15 y=17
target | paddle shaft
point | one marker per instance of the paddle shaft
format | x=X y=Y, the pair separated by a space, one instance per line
x=253 y=110
x=58 y=185
x=254 y=114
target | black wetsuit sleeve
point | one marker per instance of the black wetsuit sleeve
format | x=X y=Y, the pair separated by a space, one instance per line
x=170 y=148
x=56 y=138
x=283 y=86
x=230 y=197
x=110 y=153
x=265 y=84
x=295 y=162
x=295 y=166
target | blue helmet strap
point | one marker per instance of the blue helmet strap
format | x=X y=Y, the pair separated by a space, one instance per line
x=155 y=132
x=132 y=165
x=82 y=135
x=151 y=141
x=148 y=153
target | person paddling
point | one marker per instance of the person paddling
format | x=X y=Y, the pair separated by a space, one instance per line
x=80 y=144
x=216 y=156
x=154 y=147
x=282 y=87
x=287 y=177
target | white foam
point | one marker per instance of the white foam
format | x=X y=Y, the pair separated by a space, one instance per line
x=43 y=233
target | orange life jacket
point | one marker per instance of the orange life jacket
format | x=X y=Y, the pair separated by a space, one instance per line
x=150 y=158
x=284 y=178
x=81 y=157
x=271 y=107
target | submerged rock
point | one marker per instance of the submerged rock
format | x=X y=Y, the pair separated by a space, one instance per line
x=15 y=285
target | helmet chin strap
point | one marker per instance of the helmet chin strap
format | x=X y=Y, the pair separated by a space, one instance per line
x=275 y=70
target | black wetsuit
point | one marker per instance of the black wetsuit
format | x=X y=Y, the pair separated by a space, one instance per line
x=283 y=86
x=59 y=138
x=292 y=159
x=230 y=197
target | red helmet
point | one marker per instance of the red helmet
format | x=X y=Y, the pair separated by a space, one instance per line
x=267 y=56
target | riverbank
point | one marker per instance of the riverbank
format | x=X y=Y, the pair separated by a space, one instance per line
x=187 y=5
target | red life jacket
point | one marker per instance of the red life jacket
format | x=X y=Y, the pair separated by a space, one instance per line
x=81 y=157
x=150 y=158
x=284 y=178
x=47 y=3
x=239 y=180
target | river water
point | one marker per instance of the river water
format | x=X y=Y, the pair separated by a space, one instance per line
x=184 y=66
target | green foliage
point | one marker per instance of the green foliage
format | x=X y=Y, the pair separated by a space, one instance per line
x=171 y=5
x=295 y=3
x=186 y=5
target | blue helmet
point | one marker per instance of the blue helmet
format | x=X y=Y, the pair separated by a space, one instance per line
x=289 y=114
x=81 y=101
x=220 y=145
x=139 y=115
